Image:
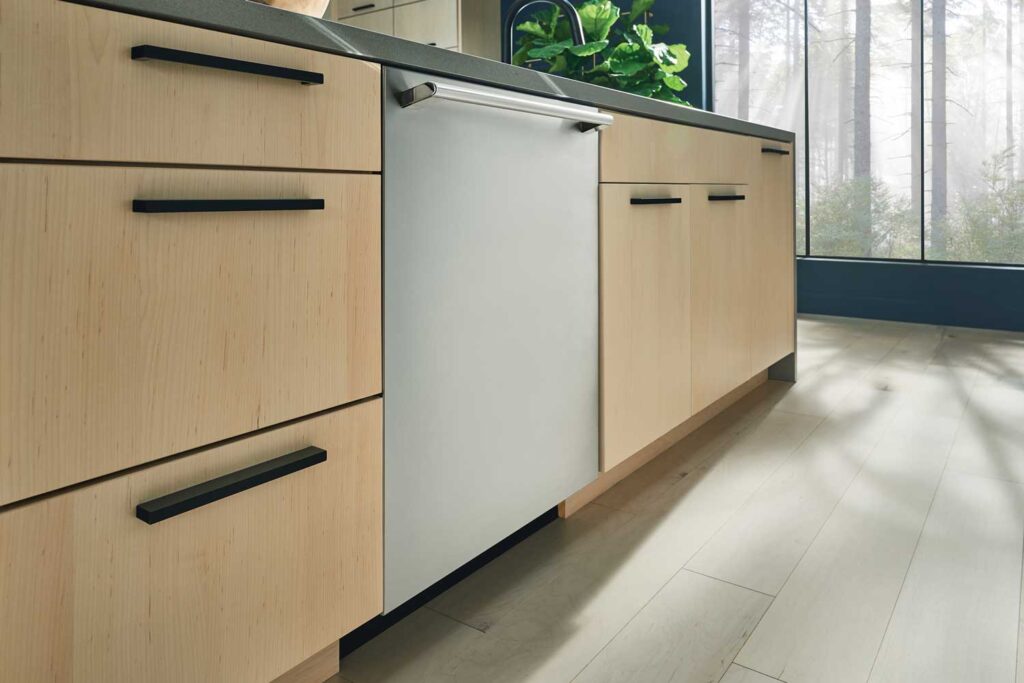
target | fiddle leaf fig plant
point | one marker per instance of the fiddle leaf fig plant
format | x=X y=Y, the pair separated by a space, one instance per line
x=619 y=51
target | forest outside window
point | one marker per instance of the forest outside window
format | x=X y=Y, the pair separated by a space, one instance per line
x=913 y=141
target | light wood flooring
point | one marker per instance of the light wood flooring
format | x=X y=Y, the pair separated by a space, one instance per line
x=864 y=525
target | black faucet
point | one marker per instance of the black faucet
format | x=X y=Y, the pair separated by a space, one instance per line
x=508 y=30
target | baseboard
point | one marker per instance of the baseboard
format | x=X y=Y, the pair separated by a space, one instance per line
x=383 y=622
x=606 y=480
x=316 y=669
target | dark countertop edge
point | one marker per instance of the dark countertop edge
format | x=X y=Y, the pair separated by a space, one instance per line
x=253 y=20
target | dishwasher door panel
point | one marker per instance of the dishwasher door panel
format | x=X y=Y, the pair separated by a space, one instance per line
x=490 y=327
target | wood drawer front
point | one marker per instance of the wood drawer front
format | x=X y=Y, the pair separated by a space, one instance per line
x=69 y=89
x=432 y=22
x=347 y=8
x=773 y=248
x=125 y=337
x=378 y=22
x=638 y=150
x=239 y=590
x=645 y=316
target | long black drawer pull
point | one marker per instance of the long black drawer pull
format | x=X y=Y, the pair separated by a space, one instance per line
x=774 y=150
x=166 y=54
x=362 y=7
x=208 y=205
x=726 y=197
x=645 y=201
x=173 y=504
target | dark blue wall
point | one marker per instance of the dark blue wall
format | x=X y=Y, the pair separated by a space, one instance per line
x=965 y=296
x=686 y=19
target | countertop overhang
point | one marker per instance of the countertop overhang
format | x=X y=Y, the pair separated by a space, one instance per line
x=254 y=20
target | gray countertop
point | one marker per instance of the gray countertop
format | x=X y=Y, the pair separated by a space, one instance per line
x=267 y=23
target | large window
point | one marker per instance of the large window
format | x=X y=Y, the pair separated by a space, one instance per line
x=914 y=121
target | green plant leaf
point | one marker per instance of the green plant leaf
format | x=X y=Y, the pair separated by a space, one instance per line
x=598 y=17
x=532 y=28
x=644 y=32
x=638 y=8
x=519 y=57
x=628 y=59
x=550 y=50
x=672 y=81
x=682 y=58
x=588 y=49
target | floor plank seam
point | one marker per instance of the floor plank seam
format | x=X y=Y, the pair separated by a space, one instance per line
x=721 y=580
x=756 y=671
x=917 y=543
x=456 y=620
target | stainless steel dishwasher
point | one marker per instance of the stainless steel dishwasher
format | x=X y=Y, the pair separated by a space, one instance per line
x=490 y=318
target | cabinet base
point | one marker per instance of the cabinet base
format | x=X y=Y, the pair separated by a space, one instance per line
x=608 y=479
x=316 y=669
x=784 y=369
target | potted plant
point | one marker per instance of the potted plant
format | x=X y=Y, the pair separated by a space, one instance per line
x=620 y=50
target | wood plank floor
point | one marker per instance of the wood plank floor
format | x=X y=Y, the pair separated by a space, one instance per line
x=863 y=525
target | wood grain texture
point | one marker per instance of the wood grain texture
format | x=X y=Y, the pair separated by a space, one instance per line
x=433 y=22
x=70 y=90
x=645 y=318
x=957 y=616
x=689 y=632
x=773 y=333
x=606 y=480
x=721 y=291
x=126 y=337
x=237 y=591
x=639 y=150
x=828 y=621
x=319 y=668
x=378 y=22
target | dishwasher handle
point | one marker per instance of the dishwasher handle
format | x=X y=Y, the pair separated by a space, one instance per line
x=586 y=119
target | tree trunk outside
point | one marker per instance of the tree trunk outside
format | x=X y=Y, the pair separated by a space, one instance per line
x=1009 y=91
x=743 y=36
x=862 y=92
x=939 y=208
x=916 y=107
x=843 y=99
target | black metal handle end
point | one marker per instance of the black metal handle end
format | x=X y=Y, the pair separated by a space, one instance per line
x=726 y=197
x=218 y=205
x=179 y=502
x=774 y=150
x=646 y=201
x=166 y=54
x=360 y=8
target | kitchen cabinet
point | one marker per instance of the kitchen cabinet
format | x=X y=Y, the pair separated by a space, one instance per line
x=433 y=22
x=237 y=591
x=721 y=289
x=639 y=150
x=71 y=90
x=645 y=315
x=773 y=333
x=380 y=21
x=126 y=337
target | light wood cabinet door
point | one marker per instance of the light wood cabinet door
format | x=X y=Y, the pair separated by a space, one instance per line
x=645 y=315
x=378 y=22
x=639 y=150
x=722 y=277
x=237 y=591
x=773 y=241
x=433 y=22
x=125 y=337
x=70 y=89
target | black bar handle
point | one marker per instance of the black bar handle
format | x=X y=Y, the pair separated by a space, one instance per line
x=774 y=150
x=362 y=7
x=726 y=197
x=645 y=201
x=173 y=504
x=166 y=54
x=210 y=205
